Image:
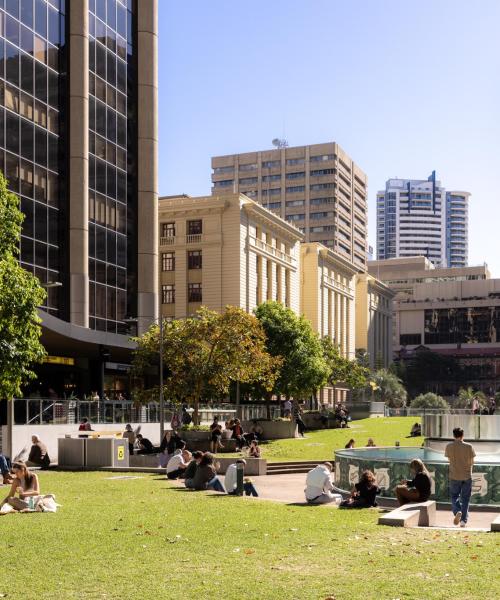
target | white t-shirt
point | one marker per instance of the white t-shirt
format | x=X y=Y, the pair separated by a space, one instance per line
x=318 y=481
x=175 y=463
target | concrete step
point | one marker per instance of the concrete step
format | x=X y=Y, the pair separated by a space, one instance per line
x=286 y=468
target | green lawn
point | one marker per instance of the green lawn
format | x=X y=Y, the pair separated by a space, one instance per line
x=320 y=445
x=139 y=538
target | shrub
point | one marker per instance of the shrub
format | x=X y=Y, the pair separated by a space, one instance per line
x=429 y=400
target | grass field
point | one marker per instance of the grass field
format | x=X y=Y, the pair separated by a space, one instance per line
x=320 y=445
x=140 y=538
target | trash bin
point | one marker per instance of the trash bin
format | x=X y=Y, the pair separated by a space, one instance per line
x=93 y=452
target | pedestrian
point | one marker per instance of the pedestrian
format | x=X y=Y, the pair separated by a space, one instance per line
x=461 y=456
x=287 y=409
x=297 y=415
x=215 y=436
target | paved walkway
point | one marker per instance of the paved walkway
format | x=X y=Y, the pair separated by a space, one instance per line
x=290 y=490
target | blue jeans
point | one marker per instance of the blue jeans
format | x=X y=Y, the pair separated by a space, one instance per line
x=216 y=485
x=460 y=497
x=4 y=465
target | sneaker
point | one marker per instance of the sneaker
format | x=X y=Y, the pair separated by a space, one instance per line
x=463 y=523
x=457 y=518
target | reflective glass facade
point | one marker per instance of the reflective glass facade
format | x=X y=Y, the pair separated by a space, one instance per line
x=462 y=325
x=112 y=152
x=32 y=125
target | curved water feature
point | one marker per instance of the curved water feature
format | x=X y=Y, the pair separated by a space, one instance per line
x=391 y=464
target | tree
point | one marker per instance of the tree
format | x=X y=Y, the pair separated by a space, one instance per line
x=20 y=296
x=429 y=400
x=388 y=388
x=290 y=337
x=466 y=397
x=343 y=370
x=206 y=353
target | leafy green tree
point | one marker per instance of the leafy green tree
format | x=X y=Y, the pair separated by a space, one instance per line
x=203 y=355
x=429 y=400
x=388 y=388
x=20 y=296
x=466 y=397
x=304 y=369
x=343 y=370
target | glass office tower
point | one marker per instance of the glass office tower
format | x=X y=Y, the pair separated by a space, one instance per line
x=78 y=144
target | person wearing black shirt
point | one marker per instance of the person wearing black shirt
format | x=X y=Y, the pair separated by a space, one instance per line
x=364 y=493
x=145 y=445
x=417 y=489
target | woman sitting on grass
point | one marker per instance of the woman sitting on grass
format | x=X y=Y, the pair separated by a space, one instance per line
x=205 y=477
x=364 y=493
x=25 y=484
x=417 y=489
x=254 y=449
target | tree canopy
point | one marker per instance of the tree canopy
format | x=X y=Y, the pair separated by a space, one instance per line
x=20 y=296
x=204 y=354
x=388 y=388
x=429 y=400
x=343 y=370
x=304 y=368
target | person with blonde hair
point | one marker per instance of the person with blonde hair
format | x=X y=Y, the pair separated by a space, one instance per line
x=417 y=489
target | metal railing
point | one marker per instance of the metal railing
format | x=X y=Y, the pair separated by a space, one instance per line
x=418 y=412
x=47 y=411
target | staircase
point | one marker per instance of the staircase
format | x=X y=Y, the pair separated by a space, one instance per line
x=297 y=466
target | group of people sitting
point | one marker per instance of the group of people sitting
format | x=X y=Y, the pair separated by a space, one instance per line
x=320 y=489
x=243 y=439
x=369 y=444
x=199 y=471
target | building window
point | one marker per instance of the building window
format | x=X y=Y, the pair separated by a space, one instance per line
x=271 y=164
x=195 y=227
x=221 y=170
x=292 y=203
x=248 y=167
x=248 y=180
x=321 y=157
x=294 y=161
x=194 y=259
x=274 y=205
x=168 y=261
x=168 y=230
x=299 y=217
x=224 y=183
x=410 y=339
x=194 y=292
x=168 y=294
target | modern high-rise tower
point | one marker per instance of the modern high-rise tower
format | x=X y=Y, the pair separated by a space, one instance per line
x=318 y=188
x=78 y=144
x=417 y=217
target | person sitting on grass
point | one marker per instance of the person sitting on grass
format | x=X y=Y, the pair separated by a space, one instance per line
x=231 y=480
x=370 y=443
x=178 y=464
x=416 y=430
x=25 y=484
x=190 y=471
x=144 y=445
x=350 y=444
x=205 y=477
x=364 y=493
x=254 y=449
x=215 y=435
x=417 y=489
x=319 y=486
x=38 y=456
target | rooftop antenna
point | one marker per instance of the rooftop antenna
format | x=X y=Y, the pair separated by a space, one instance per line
x=280 y=143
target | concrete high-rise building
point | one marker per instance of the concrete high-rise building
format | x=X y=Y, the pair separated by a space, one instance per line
x=78 y=144
x=318 y=188
x=418 y=217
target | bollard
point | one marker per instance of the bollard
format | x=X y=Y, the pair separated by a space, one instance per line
x=240 y=469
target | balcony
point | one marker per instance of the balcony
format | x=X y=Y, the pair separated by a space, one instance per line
x=272 y=251
x=186 y=240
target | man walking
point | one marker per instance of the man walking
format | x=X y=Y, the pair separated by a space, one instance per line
x=461 y=456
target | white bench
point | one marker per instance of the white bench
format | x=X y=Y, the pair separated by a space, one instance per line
x=495 y=524
x=419 y=514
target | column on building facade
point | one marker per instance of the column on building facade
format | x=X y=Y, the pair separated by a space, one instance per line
x=338 y=339
x=347 y=327
x=78 y=180
x=147 y=164
x=331 y=308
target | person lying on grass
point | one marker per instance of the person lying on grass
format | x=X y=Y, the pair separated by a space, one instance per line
x=364 y=493
x=25 y=484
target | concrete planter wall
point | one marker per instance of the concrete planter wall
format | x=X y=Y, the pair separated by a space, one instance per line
x=274 y=430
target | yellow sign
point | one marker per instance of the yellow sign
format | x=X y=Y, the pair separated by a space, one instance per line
x=59 y=360
x=121 y=452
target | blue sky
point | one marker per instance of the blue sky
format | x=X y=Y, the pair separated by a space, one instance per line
x=403 y=86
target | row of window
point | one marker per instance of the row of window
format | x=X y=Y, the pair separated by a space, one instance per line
x=194 y=260
x=272 y=164
x=194 y=291
x=194 y=227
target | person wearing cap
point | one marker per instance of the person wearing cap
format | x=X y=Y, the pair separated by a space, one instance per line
x=319 y=486
x=231 y=480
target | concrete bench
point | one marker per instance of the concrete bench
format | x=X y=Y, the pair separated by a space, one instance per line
x=419 y=514
x=495 y=524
